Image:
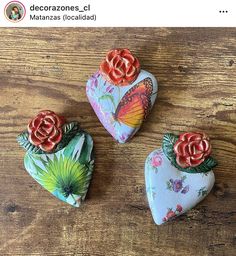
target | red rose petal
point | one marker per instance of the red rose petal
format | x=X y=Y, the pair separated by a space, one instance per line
x=114 y=78
x=194 y=163
x=182 y=136
x=199 y=147
x=40 y=136
x=35 y=123
x=56 y=137
x=114 y=61
x=110 y=55
x=177 y=149
x=195 y=137
x=181 y=148
x=58 y=120
x=47 y=146
x=129 y=58
x=117 y=73
x=130 y=72
x=182 y=161
x=197 y=156
x=46 y=129
x=125 y=51
x=137 y=64
x=46 y=112
x=50 y=119
x=206 y=145
x=104 y=67
x=120 y=65
x=208 y=152
x=62 y=120
x=46 y=125
x=42 y=131
x=34 y=139
x=193 y=148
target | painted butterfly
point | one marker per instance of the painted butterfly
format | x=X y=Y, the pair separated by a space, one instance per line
x=135 y=104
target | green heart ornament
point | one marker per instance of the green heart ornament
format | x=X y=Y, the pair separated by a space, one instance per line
x=59 y=156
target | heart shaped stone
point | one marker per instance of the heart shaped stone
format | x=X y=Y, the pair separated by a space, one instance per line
x=122 y=109
x=172 y=192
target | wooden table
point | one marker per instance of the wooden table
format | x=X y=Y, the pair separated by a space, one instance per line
x=48 y=69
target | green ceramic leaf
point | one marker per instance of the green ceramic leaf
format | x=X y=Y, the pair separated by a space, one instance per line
x=23 y=140
x=69 y=132
x=169 y=141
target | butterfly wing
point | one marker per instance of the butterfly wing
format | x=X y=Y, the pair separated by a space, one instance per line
x=135 y=104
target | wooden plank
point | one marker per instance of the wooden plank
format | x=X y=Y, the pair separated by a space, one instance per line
x=48 y=69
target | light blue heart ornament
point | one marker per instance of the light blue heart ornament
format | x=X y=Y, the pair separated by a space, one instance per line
x=179 y=175
x=59 y=156
x=121 y=94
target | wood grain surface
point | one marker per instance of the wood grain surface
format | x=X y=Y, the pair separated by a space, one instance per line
x=48 y=69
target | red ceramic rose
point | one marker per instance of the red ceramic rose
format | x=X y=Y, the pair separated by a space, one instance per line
x=120 y=67
x=192 y=149
x=45 y=130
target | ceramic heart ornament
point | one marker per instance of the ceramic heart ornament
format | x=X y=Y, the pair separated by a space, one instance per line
x=121 y=94
x=179 y=175
x=59 y=156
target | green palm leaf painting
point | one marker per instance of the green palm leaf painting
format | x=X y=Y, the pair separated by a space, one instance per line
x=66 y=173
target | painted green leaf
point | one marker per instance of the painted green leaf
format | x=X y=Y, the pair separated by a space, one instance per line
x=65 y=175
x=86 y=154
x=169 y=141
x=108 y=97
x=71 y=149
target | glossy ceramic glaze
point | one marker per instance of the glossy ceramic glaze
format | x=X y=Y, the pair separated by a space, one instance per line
x=122 y=109
x=59 y=156
x=172 y=192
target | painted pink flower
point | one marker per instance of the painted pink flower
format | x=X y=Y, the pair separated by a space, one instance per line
x=156 y=160
x=179 y=208
x=177 y=185
x=124 y=137
x=170 y=214
x=109 y=89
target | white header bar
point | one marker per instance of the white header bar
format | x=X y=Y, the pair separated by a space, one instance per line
x=118 y=13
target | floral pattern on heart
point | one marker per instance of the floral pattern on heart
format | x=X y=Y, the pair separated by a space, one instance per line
x=155 y=161
x=177 y=185
x=171 y=192
x=172 y=214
